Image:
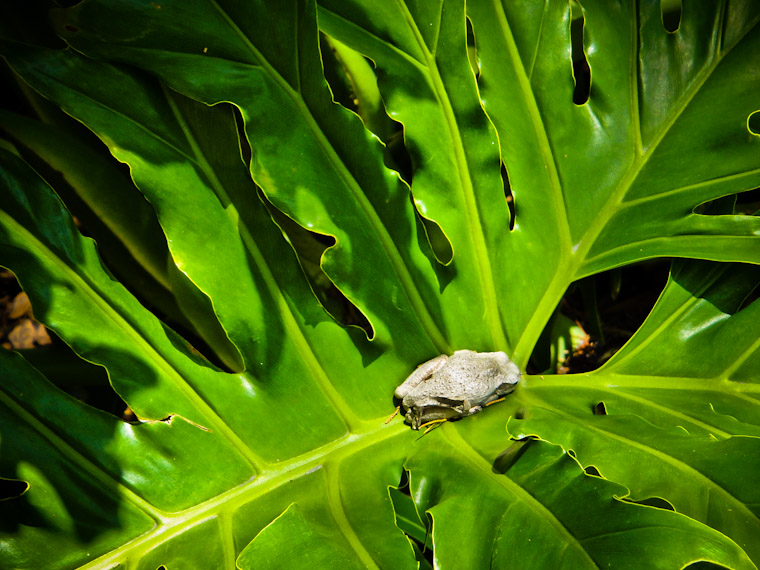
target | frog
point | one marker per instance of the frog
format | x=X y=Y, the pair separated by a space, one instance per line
x=456 y=386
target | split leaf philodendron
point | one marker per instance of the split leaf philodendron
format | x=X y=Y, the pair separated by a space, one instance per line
x=447 y=190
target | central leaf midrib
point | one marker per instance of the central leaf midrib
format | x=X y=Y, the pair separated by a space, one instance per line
x=225 y=503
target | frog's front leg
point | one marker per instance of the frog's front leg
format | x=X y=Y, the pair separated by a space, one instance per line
x=468 y=409
x=460 y=408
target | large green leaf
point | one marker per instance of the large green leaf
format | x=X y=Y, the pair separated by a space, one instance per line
x=289 y=462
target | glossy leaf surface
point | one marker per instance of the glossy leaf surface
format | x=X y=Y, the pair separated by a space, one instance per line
x=222 y=112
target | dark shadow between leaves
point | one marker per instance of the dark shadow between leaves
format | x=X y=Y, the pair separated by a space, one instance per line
x=702 y=565
x=16 y=512
x=592 y=471
x=510 y=456
x=309 y=248
x=656 y=502
x=508 y=196
x=596 y=317
x=472 y=49
x=742 y=204
x=408 y=521
x=12 y=488
x=670 y=10
x=745 y=203
x=753 y=123
x=581 y=68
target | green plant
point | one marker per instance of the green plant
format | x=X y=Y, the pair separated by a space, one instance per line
x=278 y=454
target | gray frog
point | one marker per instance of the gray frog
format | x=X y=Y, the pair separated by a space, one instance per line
x=448 y=387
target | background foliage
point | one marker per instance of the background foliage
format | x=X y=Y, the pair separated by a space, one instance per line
x=468 y=174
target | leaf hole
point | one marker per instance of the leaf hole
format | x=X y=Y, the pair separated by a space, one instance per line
x=472 y=50
x=396 y=155
x=753 y=123
x=508 y=196
x=596 y=317
x=745 y=203
x=309 y=247
x=670 y=10
x=600 y=409
x=592 y=471
x=11 y=488
x=581 y=68
x=656 y=502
